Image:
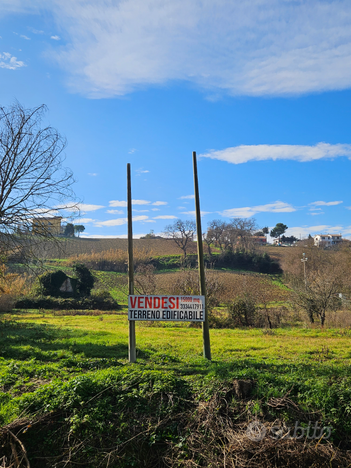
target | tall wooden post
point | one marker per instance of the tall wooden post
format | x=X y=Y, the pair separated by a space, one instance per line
x=132 y=341
x=200 y=256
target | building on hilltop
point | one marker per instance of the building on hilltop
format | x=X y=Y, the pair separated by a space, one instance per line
x=47 y=225
x=261 y=240
x=327 y=240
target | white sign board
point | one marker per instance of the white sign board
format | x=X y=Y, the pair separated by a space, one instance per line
x=169 y=308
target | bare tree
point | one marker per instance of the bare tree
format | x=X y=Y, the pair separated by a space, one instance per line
x=326 y=277
x=182 y=232
x=215 y=232
x=229 y=236
x=33 y=180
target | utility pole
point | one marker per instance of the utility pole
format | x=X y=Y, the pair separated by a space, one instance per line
x=200 y=255
x=132 y=341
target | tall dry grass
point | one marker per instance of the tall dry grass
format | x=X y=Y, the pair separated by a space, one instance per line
x=12 y=285
x=112 y=259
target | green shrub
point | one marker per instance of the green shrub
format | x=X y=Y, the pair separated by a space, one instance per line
x=85 y=279
x=96 y=301
x=51 y=282
x=243 y=311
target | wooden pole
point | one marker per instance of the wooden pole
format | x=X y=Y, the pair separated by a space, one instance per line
x=132 y=341
x=200 y=256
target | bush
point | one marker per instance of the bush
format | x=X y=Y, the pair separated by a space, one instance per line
x=6 y=302
x=12 y=285
x=51 y=282
x=243 y=311
x=100 y=301
x=85 y=279
x=252 y=261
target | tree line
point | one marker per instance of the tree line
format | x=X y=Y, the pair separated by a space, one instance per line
x=238 y=234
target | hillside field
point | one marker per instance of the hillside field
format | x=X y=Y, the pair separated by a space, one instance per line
x=68 y=247
x=69 y=397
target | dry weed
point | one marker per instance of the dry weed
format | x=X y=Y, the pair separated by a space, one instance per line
x=112 y=260
x=12 y=285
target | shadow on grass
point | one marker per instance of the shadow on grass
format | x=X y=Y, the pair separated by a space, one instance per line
x=24 y=341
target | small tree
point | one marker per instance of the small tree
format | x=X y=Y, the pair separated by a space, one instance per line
x=265 y=231
x=320 y=293
x=278 y=230
x=85 y=278
x=69 y=230
x=78 y=228
x=289 y=240
x=182 y=232
x=151 y=235
x=326 y=277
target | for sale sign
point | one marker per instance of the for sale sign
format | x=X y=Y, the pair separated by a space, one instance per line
x=169 y=308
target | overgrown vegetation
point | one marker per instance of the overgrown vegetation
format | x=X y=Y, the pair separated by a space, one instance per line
x=68 y=395
x=81 y=403
x=116 y=260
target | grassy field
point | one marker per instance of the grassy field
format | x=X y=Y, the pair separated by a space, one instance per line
x=65 y=368
x=69 y=397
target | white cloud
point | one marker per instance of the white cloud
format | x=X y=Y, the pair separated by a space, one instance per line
x=35 y=31
x=248 y=211
x=10 y=62
x=117 y=203
x=111 y=222
x=119 y=221
x=165 y=217
x=140 y=211
x=44 y=212
x=193 y=213
x=115 y=211
x=159 y=203
x=243 y=47
x=140 y=218
x=87 y=207
x=83 y=221
x=244 y=153
x=186 y=197
x=55 y=38
x=114 y=203
x=92 y=174
x=131 y=151
x=155 y=209
x=323 y=203
x=303 y=231
x=141 y=171
x=316 y=213
x=25 y=37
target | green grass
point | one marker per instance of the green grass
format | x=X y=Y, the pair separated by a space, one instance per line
x=77 y=367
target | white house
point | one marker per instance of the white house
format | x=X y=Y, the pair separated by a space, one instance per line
x=327 y=240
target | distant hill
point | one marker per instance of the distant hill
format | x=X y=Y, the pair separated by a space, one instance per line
x=74 y=246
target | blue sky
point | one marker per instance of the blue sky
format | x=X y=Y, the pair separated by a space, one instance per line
x=260 y=89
